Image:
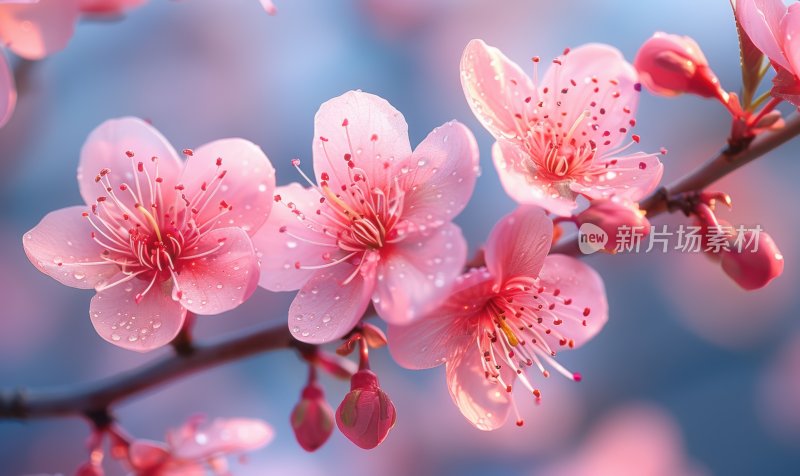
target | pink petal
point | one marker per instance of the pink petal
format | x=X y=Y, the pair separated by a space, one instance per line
x=146 y=455
x=34 y=30
x=8 y=93
x=222 y=280
x=108 y=7
x=581 y=284
x=148 y=325
x=761 y=20
x=269 y=7
x=443 y=170
x=605 y=64
x=790 y=36
x=366 y=128
x=414 y=274
x=281 y=250
x=325 y=309
x=221 y=437
x=630 y=178
x=496 y=89
x=524 y=185
x=61 y=244
x=247 y=186
x=484 y=403
x=107 y=147
x=518 y=244
x=427 y=342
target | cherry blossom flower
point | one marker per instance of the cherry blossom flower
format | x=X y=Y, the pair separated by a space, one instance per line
x=108 y=7
x=773 y=29
x=269 y=7
x=193 y=447
x=560 y=137
x=32 y=30
x=376 y=227
x=503 y=318
x=157 y=237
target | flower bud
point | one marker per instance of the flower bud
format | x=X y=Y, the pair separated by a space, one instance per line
x=312 y=418
x=366 y=414
x=753 y=269
x=671 y=64
x=610 y=216
x=90 y=469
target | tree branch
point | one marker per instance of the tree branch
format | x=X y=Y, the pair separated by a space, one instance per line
x=94 y=400
x=706 y=174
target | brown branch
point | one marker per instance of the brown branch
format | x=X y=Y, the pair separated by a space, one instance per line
x=706 y=174
x=94 y=400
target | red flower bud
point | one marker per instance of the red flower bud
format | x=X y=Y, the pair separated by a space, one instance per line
x=312 y=418
x=753 y=270
x=609 y=216
x=671 y=64
x=366 y=414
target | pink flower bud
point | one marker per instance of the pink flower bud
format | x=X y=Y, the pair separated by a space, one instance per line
x=366 y=414
x=671 y=64
x=753 y=269
x=312 y=418
x=610 y=216
x=90 y=469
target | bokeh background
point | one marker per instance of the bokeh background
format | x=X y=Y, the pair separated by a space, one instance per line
x=690 y=376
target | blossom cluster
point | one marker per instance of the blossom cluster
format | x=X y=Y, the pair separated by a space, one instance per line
x=165 y=234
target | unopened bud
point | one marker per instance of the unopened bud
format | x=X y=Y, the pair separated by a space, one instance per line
x=366 y=414
x=312 y=418
x=671 y=64
x=611 y=216
x=751 y=267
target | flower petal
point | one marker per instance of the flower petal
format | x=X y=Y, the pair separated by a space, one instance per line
x=415 y=273
x=221 y=437
x=524 y=185
x=790 y=36
x=364 y=127
x=483 y=402
x=325 y=309
x=34 y=30
x=595 y=78
x=299 y=242
x=107 y=147
x=629 y=178
x=428 y=341
x=761 y=20
x=143 y=326
x=108 y=7
x=579 y=283
x=518 y=244
x=440 y=175
x=247 y=186
x=496 y=89
x=222 y=280
x=8 y=93
x=145 y=455
x=61 y=245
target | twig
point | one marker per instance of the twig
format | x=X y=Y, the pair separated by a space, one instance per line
x=706 y=174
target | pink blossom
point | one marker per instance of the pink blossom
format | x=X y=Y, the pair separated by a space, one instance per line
x=636 y=440
x=560 y=137
x=31 y=29
x=376 y=227
x=108 y=7
x=366 y=415
x=774 y=29
x=501 y=319
x=192 y=447
x=157 y=237
x=672 y=64
x=269 y=7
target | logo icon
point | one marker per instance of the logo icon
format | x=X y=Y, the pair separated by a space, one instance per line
x=591 y=238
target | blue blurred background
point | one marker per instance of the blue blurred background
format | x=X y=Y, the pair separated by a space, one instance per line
x=690 y=376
